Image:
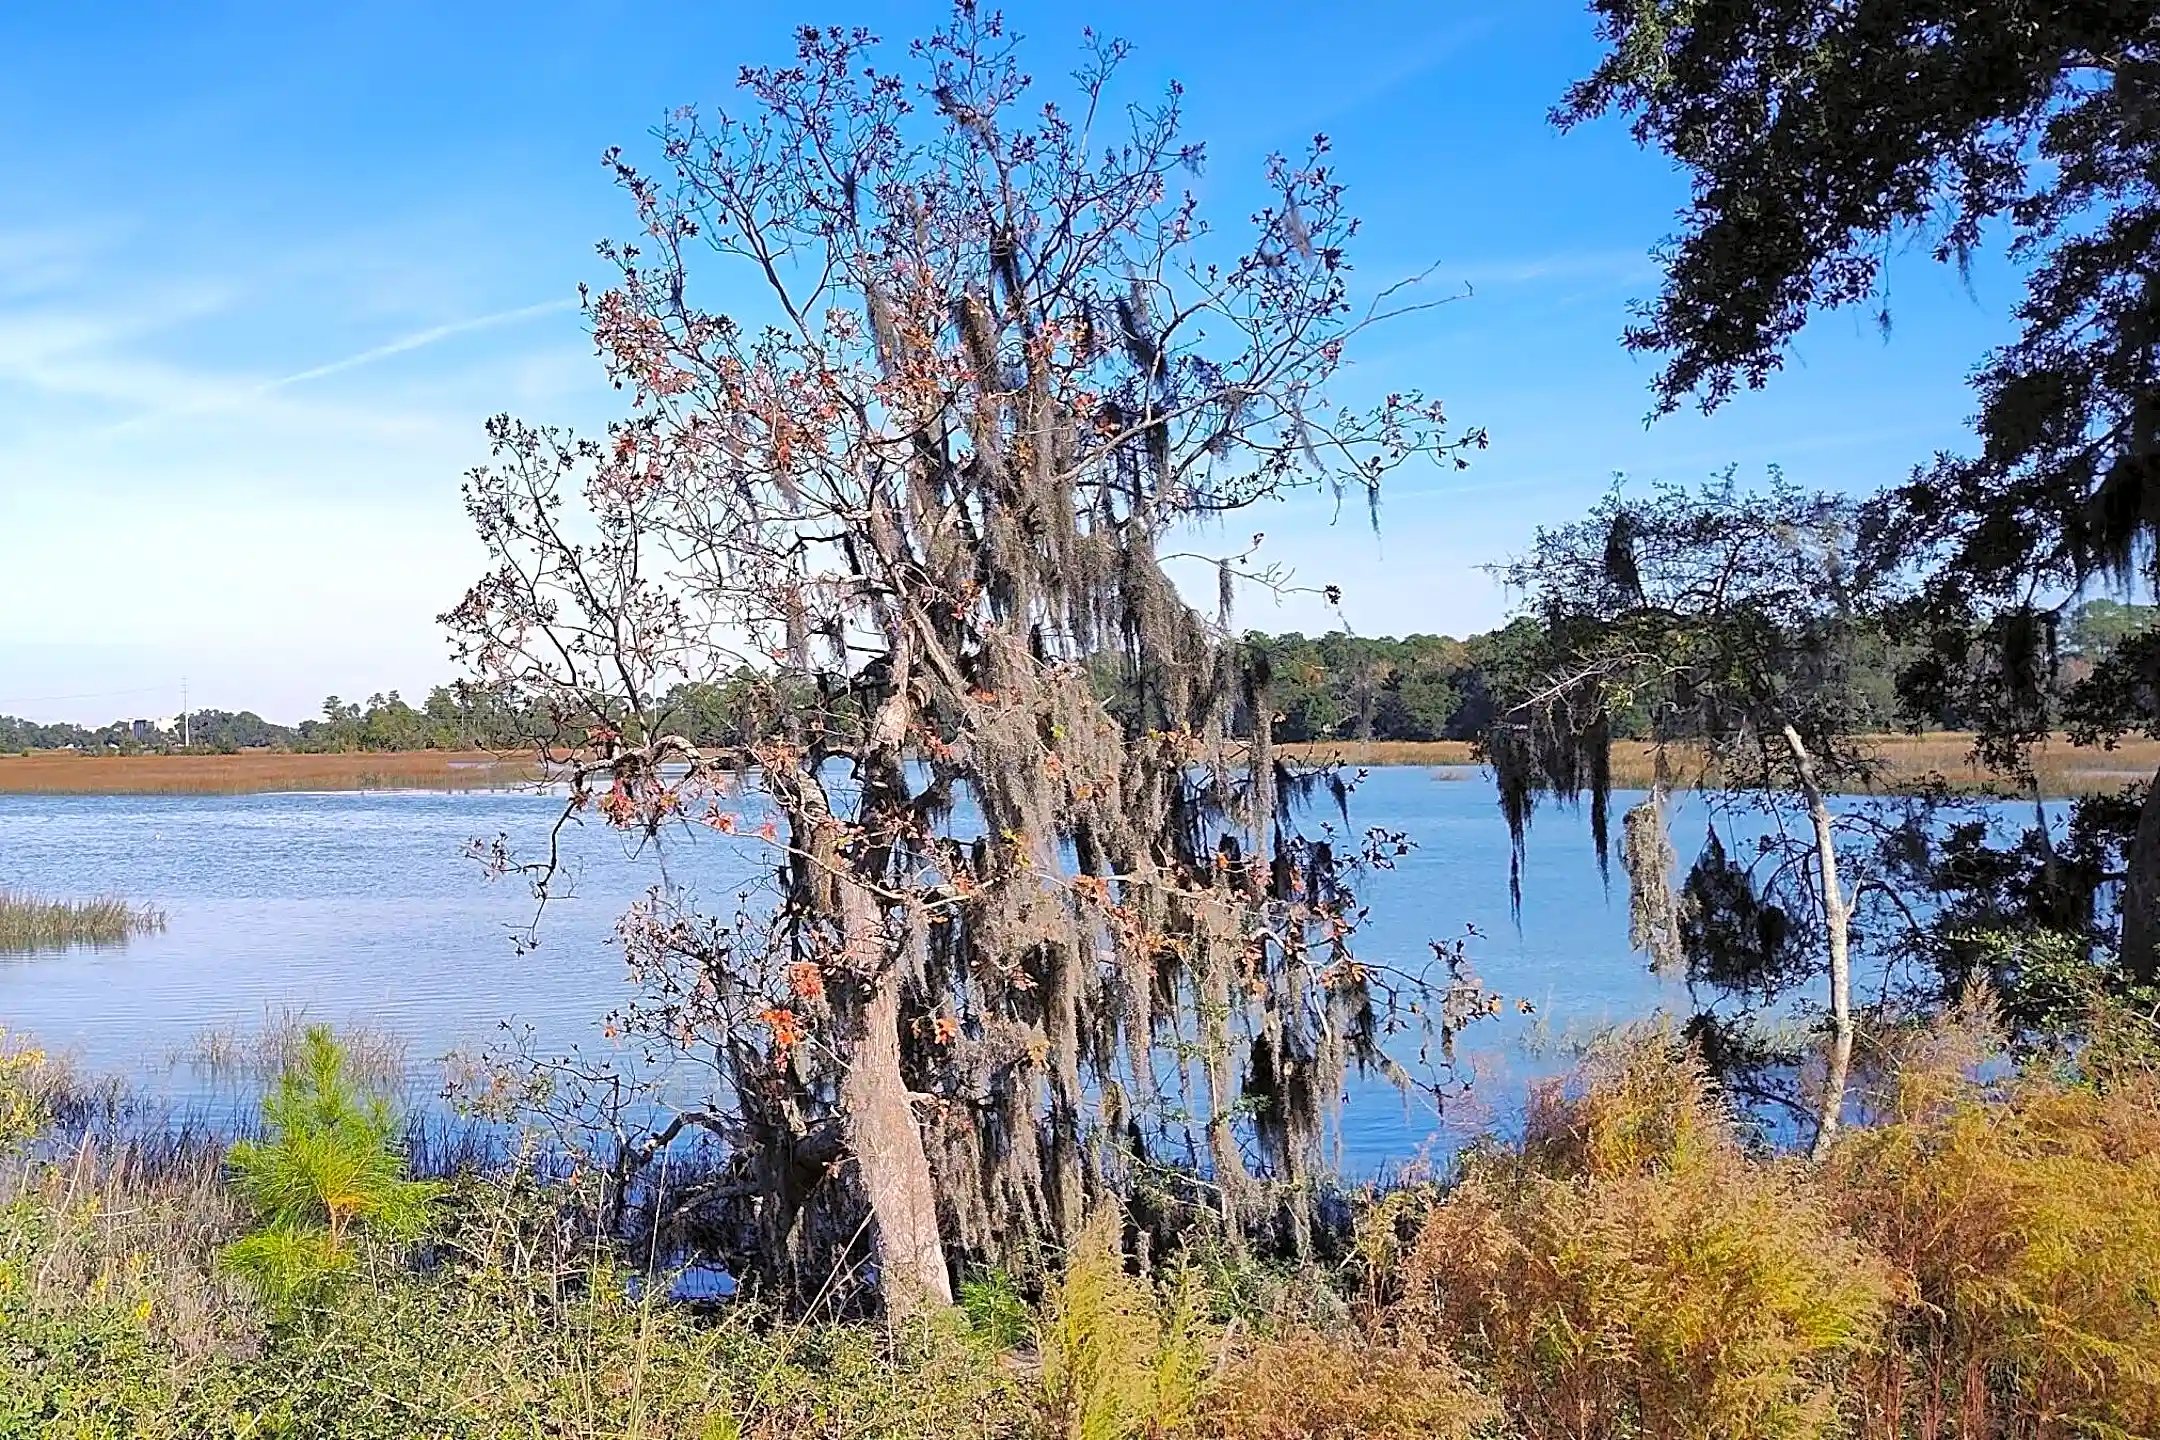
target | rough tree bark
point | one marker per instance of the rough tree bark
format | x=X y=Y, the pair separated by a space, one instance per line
x=887 y=1148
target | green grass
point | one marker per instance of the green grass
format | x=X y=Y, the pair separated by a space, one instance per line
x=29 y=924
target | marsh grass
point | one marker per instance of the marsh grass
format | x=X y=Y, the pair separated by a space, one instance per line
x=258 y=772
x=377 y=1059
x=30 y=924
x=1907 y=762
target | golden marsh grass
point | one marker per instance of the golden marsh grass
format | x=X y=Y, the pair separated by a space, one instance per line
x=258 y=772
x=1908 y=761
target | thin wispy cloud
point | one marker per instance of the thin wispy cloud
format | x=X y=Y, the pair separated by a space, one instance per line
x=419 y=339
x=43 y=345
x=240 y=396
x=1614 y=265
x=38 y=259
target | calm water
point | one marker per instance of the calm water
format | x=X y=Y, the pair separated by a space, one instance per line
x=363 y=907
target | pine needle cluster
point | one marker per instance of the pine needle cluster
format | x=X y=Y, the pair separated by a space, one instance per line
x=329 y=1166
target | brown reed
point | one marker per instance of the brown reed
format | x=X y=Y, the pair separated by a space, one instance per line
x=260 y=771
x=1906 y=762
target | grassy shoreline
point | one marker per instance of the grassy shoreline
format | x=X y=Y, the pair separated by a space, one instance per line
x=260 y=772
x=1908 y=761
x=1975 y=1254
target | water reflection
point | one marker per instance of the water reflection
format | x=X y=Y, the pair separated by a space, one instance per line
x=363 y=909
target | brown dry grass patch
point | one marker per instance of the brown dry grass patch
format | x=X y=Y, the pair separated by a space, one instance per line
x=259 y=771
x=1908 y=761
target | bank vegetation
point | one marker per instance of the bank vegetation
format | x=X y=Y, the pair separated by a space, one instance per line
x=1974 y=1257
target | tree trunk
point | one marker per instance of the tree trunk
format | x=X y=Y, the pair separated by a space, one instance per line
x=882 y=1135
x=2141 y=894
x=1837 y=925
x=887 y=1148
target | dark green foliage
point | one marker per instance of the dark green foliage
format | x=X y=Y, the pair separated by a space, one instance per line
x=1816 y=131
x=2094 y=629
x=1339 y=686
x=454 y=717
x=1347 y=687
x=1818 y=136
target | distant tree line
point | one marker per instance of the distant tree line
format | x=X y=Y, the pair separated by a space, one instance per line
x=1339 y=686
x=453 y=717
x=1336 y=686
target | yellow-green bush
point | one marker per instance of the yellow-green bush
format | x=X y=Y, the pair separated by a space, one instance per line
x=1308 y=1385
x=23 y=1110
x=1631 y=1270
x=328 y=1165
x=1121 y=1357
x=2027 y=1217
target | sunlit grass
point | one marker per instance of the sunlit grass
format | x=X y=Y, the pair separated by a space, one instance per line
x=1906 y=761
x=28 y=923
x=256 y=772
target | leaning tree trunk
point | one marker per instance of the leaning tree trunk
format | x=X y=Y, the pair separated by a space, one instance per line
x=1837 y=927
x=2141 y=894
x=882 y=1136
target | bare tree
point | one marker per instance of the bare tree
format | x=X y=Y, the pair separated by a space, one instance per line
x=921 y=481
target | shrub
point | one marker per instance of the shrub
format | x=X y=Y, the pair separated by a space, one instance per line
x=996 y=1312
x=1631 y=1270
x=1308 y=1385
x=330 y=1162
x=23 y=1107
x=1119 y=1359
x=2027 y=1216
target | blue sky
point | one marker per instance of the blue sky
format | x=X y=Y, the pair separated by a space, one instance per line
x=265 y=269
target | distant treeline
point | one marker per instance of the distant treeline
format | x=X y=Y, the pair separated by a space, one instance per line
x=1323 y=687
x=454 y=717
x=1435 y=687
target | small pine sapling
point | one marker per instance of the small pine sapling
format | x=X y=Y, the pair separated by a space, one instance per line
x=329 y=1165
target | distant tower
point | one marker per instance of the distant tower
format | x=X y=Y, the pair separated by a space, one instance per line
x=187 y=726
